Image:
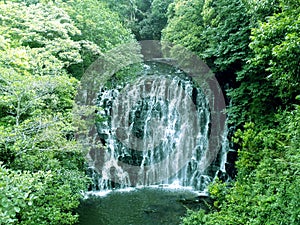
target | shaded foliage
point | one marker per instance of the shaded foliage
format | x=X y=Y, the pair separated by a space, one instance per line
x=255 y=43
x=266 y=188
x=270 y=79
x=146 y=18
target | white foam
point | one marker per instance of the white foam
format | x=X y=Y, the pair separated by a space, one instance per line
x=97 y=193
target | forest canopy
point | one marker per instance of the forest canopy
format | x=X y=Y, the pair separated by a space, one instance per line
x=44 y=49
x=254 y=49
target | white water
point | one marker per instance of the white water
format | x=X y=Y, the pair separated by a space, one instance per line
x=156 y=134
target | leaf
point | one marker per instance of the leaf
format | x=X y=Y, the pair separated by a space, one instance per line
x=17 y=209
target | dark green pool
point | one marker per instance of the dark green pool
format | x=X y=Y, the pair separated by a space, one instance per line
x=141 y=206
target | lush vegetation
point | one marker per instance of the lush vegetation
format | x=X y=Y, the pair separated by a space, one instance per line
x=44 y=47
x=253 y=46
x=145 y=18
x=254 y=49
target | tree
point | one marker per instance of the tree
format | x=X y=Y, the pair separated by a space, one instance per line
x=48 y=33
x=265 y=190
x=41 y=197
x=227 y=31
x=154 y=21
x=145 y=18
x=185 y=25
x=217 y=31
x=270 y=79
x=126 y=10
x=45 y=163
x=98 y=25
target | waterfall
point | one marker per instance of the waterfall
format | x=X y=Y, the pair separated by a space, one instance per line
x=155 y=131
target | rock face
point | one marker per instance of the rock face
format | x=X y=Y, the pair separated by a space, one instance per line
x=230 y=163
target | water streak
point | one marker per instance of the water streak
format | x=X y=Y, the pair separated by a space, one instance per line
x=156 y=131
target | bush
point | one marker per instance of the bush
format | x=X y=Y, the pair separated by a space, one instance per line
x=39 y=198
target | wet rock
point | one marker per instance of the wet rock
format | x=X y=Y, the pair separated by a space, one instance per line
x=202 y=201
x=230 y=164
x=231 y=156
x=231 y=170
x=222 y=176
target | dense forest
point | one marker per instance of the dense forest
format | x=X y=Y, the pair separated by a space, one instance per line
x=252 y=46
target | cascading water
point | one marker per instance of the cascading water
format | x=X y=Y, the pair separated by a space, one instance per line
x=156 y=131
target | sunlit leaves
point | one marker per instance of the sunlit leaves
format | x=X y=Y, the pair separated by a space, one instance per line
x=185 y=25
x=97 y=23
x=27 y=96
x=41 y=197
x=36 y=125
x=41 y=26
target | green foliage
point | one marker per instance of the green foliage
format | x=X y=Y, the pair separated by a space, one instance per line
x=41 y=26
x=266 y=188
x=151 y=26
x=218 y=191
x=227 y=33
x=194 y=218
x=141 y=10
x=126 y=10
x=279 y=38
x=46 y=164
x=217 y=31
x=270 y=79
x=26 y=96
x=98 y=25
x=185 y=25
x=39 y=198
x=42 y=143
x=44 y=36
x=260 y=10
x=250 y=142
x=146 y=18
